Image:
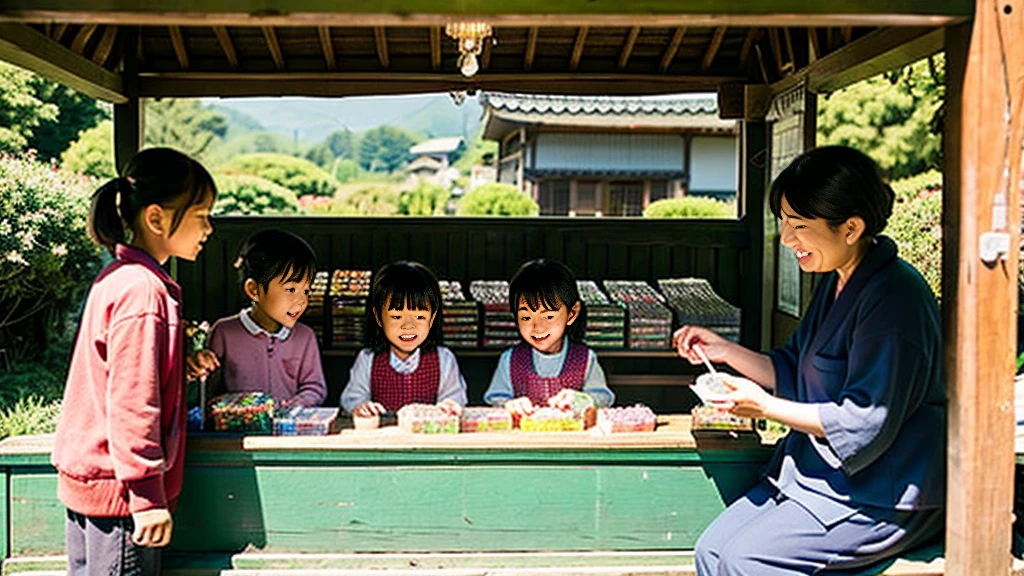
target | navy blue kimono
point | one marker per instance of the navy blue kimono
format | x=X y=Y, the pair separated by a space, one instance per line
x=871 y=360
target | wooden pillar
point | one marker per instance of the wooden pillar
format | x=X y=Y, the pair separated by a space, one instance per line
x=753 y=180
x=982 y=160
x=128 y=121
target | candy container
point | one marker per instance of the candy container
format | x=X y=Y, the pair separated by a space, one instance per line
x=635 y=418
x=300 y=420
x=551 y=420
x=485 y=420
x=242 y=412
x=427 y=419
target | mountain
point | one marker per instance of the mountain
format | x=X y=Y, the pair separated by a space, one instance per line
x=312 y=119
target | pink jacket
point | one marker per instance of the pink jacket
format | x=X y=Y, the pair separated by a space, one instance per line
x=120 y=442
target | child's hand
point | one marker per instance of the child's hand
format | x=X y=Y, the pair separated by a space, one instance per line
x=201 y=364
x=370 y=408
x=450 y=407
x=521 y=406
x=152 y=527
x=563 y=400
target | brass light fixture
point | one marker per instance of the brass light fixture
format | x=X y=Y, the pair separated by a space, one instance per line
x=471 y=37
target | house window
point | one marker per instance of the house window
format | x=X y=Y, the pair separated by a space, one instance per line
x=659 y=190
x=626 y=199
x=586 y=198
x=553 y=197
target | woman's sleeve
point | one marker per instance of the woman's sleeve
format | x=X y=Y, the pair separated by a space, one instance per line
x=500 y=390
x=357 y=391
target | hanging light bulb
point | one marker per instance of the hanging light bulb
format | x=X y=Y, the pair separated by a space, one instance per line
x=468 y=64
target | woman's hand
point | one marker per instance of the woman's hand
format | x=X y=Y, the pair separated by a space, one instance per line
x=450 y=407
x=370 y=408
x=201 y=364
x=745 y=398
x=713 y=345
x=519 y=407
x=152 y=527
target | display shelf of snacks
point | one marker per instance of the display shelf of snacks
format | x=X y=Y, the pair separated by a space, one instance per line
x=315 y=316
x=695 y=303
x=650 y=321
x=499 y=325
x=349 y=291
x=606 y=320
x=461 y=317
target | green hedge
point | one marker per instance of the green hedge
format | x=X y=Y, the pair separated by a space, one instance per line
x=497 y=199
x=916 y=224
x=425 y=200
x=690 y=207
x=244 y=194
x=298 y=175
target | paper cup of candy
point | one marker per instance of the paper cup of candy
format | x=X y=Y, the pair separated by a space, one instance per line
x=711 y=388
x=366 y=422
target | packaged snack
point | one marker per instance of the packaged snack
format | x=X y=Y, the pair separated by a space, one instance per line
x=551 y=420
x=635 y=418
x=242 y=412
x=427 y=419
x=650 y=321
x=712 y=418
x=304 y=421
x=485 y=420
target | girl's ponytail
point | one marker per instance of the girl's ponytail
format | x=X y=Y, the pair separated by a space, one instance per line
x=106 y=226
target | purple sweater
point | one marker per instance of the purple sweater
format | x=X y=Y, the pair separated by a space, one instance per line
x=285 y=365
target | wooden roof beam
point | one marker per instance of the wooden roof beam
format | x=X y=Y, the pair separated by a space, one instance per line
x=105 y=46
x=812 y=34
x=25 y=47
x=531 y=48
x=435 y=47
x=673 y=47
x=577 y=49
x=627 y=47
x=59 y=30
x=716 y=43
x=178 y=41
x=485 y=56
x=275 y=49
x=381 y=39
x=224 y=38
x=82 y=38
x=752 y=36
x=327 y=45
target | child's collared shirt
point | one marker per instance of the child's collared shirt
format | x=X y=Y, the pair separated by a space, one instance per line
x=286 y=364
x=548 y=366
x=357 y=391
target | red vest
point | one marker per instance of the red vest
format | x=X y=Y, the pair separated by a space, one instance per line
x=526 y=381
x=394 y=389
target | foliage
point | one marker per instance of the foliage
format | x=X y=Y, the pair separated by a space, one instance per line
x=298 y=175
x=889 y=117
x=22 y=111
x=496 y=199
x=30 y=415
x=320 y=155
x=183 y=124
x=346 y=170
x=916 y=225
x=77 y=113
x=424 y=200
x=341 y=143
x=246 y=194
x=46 y=258
x=370 y=199
x=385 y=149
x=93 y=153
x=690 y=207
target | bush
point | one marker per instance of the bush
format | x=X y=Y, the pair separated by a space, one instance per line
x=425 y=200
x=243 y=194
x=346 y=170
x=46 y=259
x=359 y=199
x=300 y=176
x=690 y=207
x=916 y=224
x=30 y=415
x=496 y=199
x=93 y=153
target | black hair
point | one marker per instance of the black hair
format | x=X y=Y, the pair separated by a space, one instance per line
x=396 y=286
x=159 y=176
x=835 y=183
x=271 y=253
x=550 y=284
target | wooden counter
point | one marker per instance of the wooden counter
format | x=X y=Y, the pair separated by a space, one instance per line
x=387 y=490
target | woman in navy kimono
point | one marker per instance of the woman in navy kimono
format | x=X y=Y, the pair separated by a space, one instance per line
x=861 y=476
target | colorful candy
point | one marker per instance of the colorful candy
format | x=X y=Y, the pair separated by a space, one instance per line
x=635 y=418
x=304 y=421
x=606 y=320
x=242 y=412
x=650 y=321
x=551 y=420
x=485 y=420
x=712 y=418
x=427 y=419
x=696 y=303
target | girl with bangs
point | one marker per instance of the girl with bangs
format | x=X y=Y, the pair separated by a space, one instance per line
x=405 y=362
x=263 y=348
x=552 y=364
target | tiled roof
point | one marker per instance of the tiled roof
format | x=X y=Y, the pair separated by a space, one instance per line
x=605 y=105
x=437 y=146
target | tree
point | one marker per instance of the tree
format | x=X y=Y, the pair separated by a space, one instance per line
x=890 y=118
x=385 y=149
x=183 y=124
x=245 y=194
x=21 y=109
x=320 y=155
x=424 y=200
x=341 y=143
x=496 y=199
x=300 y=176
x=93 y=153
x=77 y=113
x=690 y=207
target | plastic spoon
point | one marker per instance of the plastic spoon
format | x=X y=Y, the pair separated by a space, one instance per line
x=704 y=357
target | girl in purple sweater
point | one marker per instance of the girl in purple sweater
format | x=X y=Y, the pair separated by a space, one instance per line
x=263 y=348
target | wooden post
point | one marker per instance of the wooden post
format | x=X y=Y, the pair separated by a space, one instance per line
x=128 y=122
x=982 y=172
x=753 y=162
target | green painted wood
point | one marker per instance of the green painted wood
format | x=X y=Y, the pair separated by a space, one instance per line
x=37 y=517
x=5 y=514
